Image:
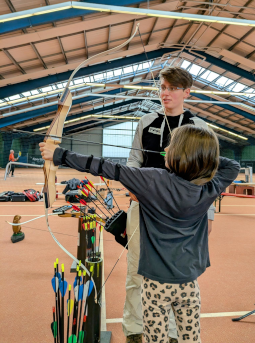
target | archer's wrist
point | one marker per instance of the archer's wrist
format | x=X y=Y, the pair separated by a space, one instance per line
x=59 y=156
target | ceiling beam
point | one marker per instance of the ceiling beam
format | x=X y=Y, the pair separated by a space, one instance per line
x=13 y=61
x=10 y=90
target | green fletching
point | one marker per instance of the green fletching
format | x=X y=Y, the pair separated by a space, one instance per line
x=93 y=239
x=81 y=336
x=163 y=153
x=54 y=329
x=72 y=339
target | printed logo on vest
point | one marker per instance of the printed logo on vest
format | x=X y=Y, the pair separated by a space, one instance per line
x=154 y=130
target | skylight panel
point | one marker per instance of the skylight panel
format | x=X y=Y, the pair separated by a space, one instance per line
x=109 y=74
x=238 y=87
x=195 y=70
x=98 y=77
x=146 y=65
x=118 y=72
x=140 y=66
x=35 y=91
x=46 y=89
x=185 y=64
x=77 y=82
x=26 y=93
x=60 y=85
x=223 y=81
x=14 y=97
x=128 y=70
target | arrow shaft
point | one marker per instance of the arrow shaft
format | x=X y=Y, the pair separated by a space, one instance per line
x=103 y=204
x=101 y=198
x=68 y=316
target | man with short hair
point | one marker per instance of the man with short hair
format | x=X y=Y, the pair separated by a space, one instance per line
x=12 y=159
x=153 y=133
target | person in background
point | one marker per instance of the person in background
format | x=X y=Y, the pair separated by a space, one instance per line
x=12 y=159
x=153 y=133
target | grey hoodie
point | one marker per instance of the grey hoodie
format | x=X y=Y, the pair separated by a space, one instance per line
x=173 y=215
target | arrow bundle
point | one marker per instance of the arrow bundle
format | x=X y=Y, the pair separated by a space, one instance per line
x=90 y=224
x=76 y=309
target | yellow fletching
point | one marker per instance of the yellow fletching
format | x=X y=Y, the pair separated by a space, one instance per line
x=70 y=287
x=79 y=272
x=56 y=260
x=91 y=269
x=84 y=272
x=55 y=265
x=77 y=268
x=63 y=268
x=70 y=306
x=79 y=263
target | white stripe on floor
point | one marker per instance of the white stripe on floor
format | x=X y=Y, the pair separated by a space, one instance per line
x=203 y=315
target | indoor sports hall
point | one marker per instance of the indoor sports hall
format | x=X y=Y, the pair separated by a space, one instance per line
x=98 y=225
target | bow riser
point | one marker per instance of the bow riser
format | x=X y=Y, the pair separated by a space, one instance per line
x=54 y=132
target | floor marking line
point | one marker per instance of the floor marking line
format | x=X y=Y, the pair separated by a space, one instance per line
x=203 y=315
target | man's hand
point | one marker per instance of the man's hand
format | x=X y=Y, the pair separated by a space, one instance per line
x=47 y=150
x=133 y=197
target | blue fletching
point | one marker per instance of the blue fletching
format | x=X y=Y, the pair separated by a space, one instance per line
x=55 y=283
x=75 y=281
x=63 y=288
x=80 y=292
x=58 y=275
x=90 y=287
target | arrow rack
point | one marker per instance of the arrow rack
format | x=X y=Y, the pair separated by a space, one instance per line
x=89 y=254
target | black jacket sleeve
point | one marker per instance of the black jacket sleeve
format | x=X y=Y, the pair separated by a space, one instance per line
x=136 y=180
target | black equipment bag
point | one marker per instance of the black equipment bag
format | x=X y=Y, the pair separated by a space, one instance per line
x=116 y=225
x=18 y=197
x=70 y=197
x=6 y=196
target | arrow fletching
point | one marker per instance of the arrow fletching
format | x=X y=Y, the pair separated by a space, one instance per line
x=72 y=339
x=54 y=329
x=55 y=284
x=81 y=336
x=93 y=239
x=80 y=292
x=88 y=186
x=70 y=304
x=83 y=202
x=63 y=288
x=85 y=290
x=75 y=281
x=163 y=153
x=90 y=287
x=76 y=292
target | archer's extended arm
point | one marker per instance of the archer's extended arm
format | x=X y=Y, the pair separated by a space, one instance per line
x=136 y=180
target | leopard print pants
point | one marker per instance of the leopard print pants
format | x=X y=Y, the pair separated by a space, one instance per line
x=157 y=299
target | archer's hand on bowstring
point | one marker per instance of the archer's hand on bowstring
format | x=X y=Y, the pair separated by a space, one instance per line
x=47 y=150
